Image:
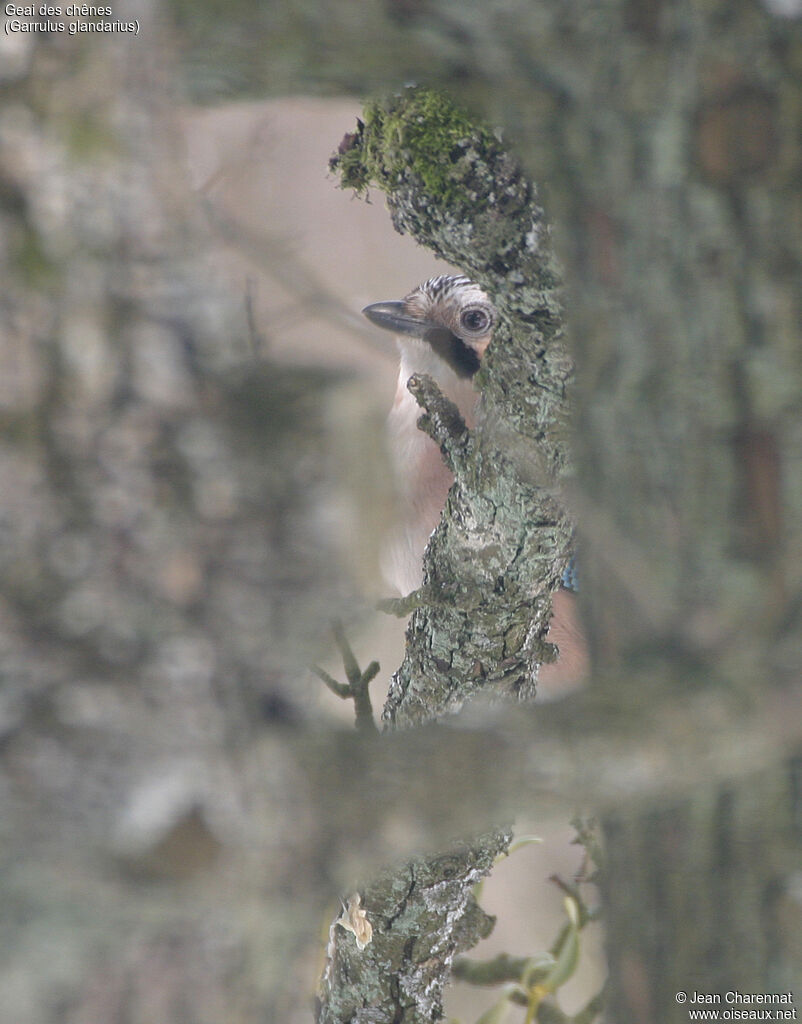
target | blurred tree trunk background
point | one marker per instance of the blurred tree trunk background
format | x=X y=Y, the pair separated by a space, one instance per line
x=166 y=563
x=167 y=572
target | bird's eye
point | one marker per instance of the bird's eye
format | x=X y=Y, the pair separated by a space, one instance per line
x=477 y=321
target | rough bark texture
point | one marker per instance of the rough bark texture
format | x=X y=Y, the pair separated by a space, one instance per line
x=422 y=916
x=500 y=547
x=725 y=859
x=503 y=542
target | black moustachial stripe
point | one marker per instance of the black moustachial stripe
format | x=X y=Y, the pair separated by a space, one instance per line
x=462 y=359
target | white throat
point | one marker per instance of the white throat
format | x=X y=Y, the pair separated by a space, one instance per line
x=417 y=356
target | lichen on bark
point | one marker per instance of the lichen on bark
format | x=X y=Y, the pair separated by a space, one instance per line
x=422 y=915
x=482 y=612
x=501 y=545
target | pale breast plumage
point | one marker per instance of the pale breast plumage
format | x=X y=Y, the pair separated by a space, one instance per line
x=442 y=329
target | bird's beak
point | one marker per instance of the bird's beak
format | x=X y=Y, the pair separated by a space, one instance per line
x=391 y=316
x=462 y=358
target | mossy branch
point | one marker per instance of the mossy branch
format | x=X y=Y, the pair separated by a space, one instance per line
x=481 y=615
x=502 y=539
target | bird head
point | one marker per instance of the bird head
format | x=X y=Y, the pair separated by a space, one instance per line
x=449 y=314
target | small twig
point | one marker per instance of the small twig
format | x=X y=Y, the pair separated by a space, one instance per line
x=441 y=420
x=425 y=597
x=592 y=1009
x=342 y=690
x=357 y=687
x=498 y=971
x=586 y=913
x=257 y=341
x=402 y=606
x=587 y=836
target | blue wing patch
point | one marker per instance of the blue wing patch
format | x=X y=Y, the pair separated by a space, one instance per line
x=570 y=578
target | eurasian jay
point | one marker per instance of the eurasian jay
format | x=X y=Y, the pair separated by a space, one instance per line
x=442 y=328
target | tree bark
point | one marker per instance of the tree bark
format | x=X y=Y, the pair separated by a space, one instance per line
x=482 y=611
x=163 y=582
x=503 y=543
x=666 y=142
x=421 y=916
